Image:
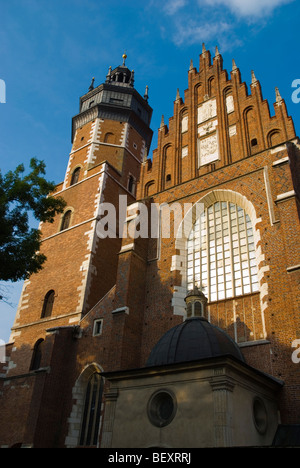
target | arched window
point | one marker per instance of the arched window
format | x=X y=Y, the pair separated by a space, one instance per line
x=184 y=123
x=48 y=304
x=66 y=220
x=109 y=138
x=194 y=309
x=131 y=184
x=92 y=411
x=221 y=253
x=75 y=176
x=149 y=188
x=198 y=309
x=37 y=355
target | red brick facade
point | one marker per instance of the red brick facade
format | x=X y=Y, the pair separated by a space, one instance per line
x=221 y=145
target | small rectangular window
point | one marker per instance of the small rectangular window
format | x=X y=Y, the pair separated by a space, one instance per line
x=98 y=325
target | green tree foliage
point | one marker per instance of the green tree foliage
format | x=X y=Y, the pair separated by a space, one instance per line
x=21 y=195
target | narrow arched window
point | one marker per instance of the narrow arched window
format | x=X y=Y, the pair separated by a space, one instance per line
x=66 y=220
x=198 y=309
x=75 y=176
x=48 y=304
x=92 y=411
x=221 y=253
x=37 y=355
x=131 y=184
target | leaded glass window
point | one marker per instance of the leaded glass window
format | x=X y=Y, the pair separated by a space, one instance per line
x=221 y=253
x=92 y=411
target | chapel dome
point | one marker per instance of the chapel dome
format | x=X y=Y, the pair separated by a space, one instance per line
x=192 y=340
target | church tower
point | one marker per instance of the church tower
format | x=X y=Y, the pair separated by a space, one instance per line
x=186 y=335
x=111 y=137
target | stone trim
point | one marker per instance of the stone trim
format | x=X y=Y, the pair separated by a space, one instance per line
x=293 y=268
x=273 y=219
x=285 y=196
x=121 y=310
x=78 y=393
x=280 y=161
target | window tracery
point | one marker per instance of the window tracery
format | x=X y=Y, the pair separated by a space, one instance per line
x=221 y=252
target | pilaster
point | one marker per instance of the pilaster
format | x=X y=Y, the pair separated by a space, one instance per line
x=222 y=387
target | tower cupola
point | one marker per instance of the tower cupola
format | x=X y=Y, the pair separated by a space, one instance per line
x=116 y=99
x=121 y=75
x=196 y=303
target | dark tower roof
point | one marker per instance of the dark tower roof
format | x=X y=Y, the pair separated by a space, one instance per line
x=116 y=99
x=193 y=339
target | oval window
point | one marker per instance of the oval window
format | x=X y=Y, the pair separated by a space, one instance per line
x=260 y=415
x=162 y=408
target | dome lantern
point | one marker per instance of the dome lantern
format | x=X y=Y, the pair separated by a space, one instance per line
x=196 y=303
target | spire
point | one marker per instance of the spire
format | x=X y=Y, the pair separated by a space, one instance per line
x=254 y=80
x=217 y=54
x=131 y=82
x=234 y=67
x=92 y=85
x=124 y=57
x=177 y=95
x=108 y=76
x=146 y=97
x=191 y=65
x=162 y=122
x=204 y=58
x=278 y=96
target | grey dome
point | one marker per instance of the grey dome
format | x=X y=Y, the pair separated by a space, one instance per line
x=193 y=339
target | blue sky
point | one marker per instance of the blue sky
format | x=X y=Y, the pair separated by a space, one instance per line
x=50 y=50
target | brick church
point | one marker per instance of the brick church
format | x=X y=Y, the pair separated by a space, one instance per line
x=167 y=312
